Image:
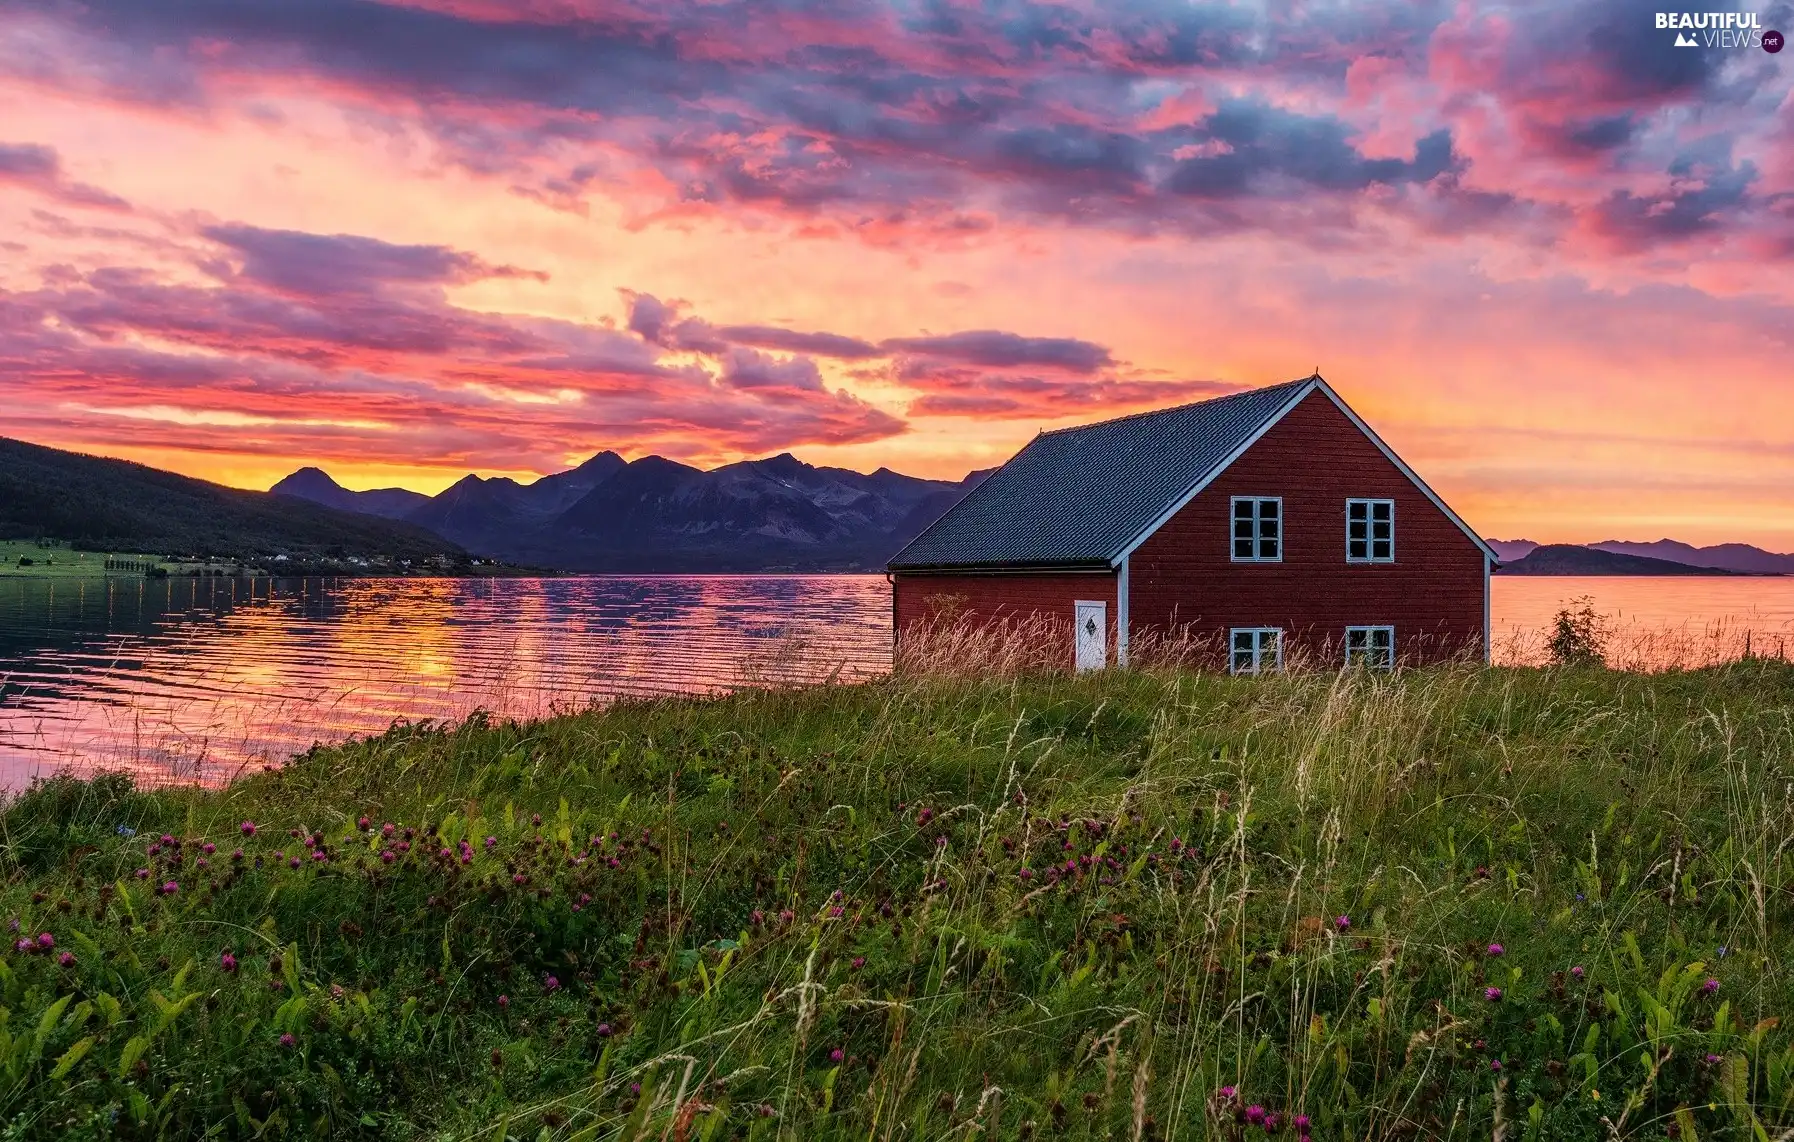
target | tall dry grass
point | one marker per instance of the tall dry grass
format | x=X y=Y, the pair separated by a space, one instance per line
x=950 y=904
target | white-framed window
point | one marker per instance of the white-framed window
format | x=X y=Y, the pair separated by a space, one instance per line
x=1370 y=647
x=1254 y=650
x=1257 y=529
x=1370 y=531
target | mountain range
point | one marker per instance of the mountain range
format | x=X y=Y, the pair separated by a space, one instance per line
x=607 y=514
x=655 y=514
x=1521 y=556
x=115 y=505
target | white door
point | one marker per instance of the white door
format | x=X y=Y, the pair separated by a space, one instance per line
x=1092 y=634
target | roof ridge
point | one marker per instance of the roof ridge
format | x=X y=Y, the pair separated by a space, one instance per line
x=1180 y=407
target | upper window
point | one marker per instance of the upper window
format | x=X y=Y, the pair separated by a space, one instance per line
x=1370 y=531
x=1372 y=647
x=1255 y=649
x=1257 y=530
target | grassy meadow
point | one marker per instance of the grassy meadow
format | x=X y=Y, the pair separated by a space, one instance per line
x=30 y=559
x=1445 y=903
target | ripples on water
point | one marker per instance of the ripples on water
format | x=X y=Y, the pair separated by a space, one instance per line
x=197 y=678
x=177 y=679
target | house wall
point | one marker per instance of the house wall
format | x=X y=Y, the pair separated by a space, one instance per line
x=1183 y=576
x=994 y=599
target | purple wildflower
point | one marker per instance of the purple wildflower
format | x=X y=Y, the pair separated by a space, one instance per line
x=1301 y=1123
x=387 y=829
x=46 y=941
x=170 y=888
x=1713 y=1060
x=1711 y=986
x=236 y=854
x=208 y=848
x=142 y=874
x=1255 y=1114
x=388 y=856
x=1492 y=994
x=66 y=959
x=1225 y=1092
x=604 y=1030
x=25 y=945
x=1576 y=971
x=836 y=1055
x=859 y=962
x=228 y=962
x=550 y=984
x=1495 y=1065
x=248 y=828
x=363 y=824
x=1495 y=950
x=168 y=838
x=1270 y=1124
x=1343 y=923
x=504 y=1001
x=319 y=854
x=491 y=842
x=293 y=862
x=287 y=1040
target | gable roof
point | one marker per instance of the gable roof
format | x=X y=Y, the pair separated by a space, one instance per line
x=1083 y=498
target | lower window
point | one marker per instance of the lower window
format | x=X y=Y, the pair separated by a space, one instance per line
x=1255 y=649
x=1372 y=647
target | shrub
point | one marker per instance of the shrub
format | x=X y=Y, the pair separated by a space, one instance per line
x=1579 y=635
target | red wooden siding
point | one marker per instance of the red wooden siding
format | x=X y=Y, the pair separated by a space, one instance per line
x=1315 y=458
x=922 y=596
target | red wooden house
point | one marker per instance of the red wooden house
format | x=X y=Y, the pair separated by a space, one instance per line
x=1262 y=522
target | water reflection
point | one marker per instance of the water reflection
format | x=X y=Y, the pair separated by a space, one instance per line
x=196 y=679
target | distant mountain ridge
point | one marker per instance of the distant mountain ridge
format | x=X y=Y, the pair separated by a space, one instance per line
x=1740 y=557
x=115 y=505
x=1570 y=559
x=315 y=484
x=655 y=514
x=1737 y=558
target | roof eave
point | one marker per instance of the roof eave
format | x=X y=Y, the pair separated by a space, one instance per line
x=1015 y=567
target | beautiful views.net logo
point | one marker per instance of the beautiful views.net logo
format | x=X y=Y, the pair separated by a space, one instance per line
x=1720 y=30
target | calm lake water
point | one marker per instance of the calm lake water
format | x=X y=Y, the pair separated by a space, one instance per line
x=197 y=678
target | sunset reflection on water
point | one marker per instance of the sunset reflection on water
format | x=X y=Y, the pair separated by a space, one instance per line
x=178 y=679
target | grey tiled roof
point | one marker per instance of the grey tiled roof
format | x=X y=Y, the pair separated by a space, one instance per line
x=1078 y=496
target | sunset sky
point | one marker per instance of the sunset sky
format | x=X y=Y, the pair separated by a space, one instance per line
x=1549 y=255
